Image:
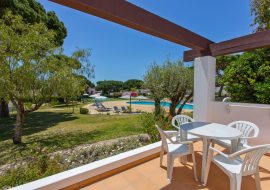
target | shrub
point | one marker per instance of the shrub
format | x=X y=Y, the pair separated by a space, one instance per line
x=84 y=111
x=129 y=109
x=98 y=152
x=39 y=167
x=148 y=121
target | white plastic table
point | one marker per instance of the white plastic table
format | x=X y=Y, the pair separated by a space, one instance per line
x=208 y=131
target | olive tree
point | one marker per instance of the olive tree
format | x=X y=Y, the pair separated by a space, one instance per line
x=171 y=80
x=30 y=69
x=177 y=84
x=153 y=81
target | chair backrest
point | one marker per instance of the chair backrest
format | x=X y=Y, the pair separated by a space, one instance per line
x=248 y=129
x=252 y=158
x=164 y=137
x=227 y=99
x=178 y=120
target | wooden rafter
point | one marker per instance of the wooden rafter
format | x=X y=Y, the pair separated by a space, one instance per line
x=241 y=44
x=132 y=16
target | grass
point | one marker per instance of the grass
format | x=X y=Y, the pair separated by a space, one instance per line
x=58 y=128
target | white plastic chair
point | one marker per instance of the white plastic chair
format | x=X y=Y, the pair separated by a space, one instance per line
x=226 y=99
x=236 y=167
x=175 y=150
x=178 y=120
x=249 y=130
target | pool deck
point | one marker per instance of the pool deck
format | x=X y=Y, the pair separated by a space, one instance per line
x=135 y=107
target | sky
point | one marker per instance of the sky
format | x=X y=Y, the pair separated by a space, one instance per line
x=121 y=53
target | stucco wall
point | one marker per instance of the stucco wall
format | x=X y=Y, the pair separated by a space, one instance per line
x=226 y=112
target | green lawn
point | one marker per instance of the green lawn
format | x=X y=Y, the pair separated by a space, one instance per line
x=58 y=128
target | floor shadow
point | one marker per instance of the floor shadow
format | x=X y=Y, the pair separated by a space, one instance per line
x=263 y=170
x=183 y=178
x=34 y=122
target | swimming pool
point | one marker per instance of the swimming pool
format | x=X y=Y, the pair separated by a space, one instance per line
x=165 y=104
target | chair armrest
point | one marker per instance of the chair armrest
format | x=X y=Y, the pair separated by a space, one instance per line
x=186 y=142
x=171 y=132
x=219 y=152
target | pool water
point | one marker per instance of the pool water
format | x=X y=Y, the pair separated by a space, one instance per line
x=165 y=104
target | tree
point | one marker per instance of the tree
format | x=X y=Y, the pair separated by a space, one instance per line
x=261 y=12
x=247 y=79
x=76 y=71
x=133 y=83
x=223 y=62
x=31 y=69
x=108 y=86
x=177 y=84
x=153 y=81
x=33 y=12
x=172 y=80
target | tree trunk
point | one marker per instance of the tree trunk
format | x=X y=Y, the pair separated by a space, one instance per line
x=4 y=111
x=179 y=111
x=17 y=138
x=173 y=107
x=157 y=107
x=220 y=91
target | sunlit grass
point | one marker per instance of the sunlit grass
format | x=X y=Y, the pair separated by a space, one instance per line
x=56 y=129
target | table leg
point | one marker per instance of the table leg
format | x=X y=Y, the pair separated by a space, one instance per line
x=183 y=137
x=234 y=145
x=206 y=144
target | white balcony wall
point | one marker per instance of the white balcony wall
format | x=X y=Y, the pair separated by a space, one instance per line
x=206 y=109
x=226 y=112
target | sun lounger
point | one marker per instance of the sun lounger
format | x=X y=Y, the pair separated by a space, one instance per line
x=102 y=108
x=116 y=109
x=124 y=109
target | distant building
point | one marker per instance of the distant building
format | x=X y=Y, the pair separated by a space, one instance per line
x=144 y=92
x=91 y=91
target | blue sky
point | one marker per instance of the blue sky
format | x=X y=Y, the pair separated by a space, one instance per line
x=120 y=53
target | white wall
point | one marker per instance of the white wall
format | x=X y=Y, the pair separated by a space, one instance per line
x=204 y=87
x=206 y=109
x=226 y=112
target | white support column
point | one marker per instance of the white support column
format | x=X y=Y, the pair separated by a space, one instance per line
x=204 y=87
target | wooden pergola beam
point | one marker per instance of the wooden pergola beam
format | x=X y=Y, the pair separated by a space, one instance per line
x=132 y=16
x=241 y=44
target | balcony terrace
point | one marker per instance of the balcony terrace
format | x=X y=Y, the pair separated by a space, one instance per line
x=139 y=169
x=150 y=176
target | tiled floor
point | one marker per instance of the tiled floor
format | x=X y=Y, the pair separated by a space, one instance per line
x=149 y=176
